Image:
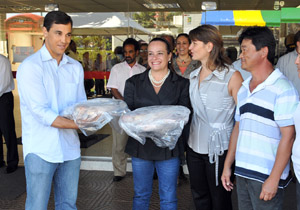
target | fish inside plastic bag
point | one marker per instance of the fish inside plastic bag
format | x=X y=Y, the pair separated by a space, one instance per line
x=163 y=124
x=93 y=114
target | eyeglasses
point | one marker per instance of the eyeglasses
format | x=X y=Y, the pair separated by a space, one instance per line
x=143 y=51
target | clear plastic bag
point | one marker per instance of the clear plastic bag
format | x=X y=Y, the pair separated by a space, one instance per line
x=163 y=124
x=93 y=114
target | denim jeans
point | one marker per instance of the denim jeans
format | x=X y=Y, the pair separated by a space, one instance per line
x=167 y=172
x=248 y=192
x=39 y=175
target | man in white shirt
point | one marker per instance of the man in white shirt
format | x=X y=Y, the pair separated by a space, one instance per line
x=116 y=83
x=287 y=66
x=48 y=82
x=7 y=122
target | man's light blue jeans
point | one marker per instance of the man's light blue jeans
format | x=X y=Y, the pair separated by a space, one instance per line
x=39 y=175
x=167 y=172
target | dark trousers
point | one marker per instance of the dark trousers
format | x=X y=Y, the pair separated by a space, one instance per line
x=88 y=85
x=206 y=195
x=99 y=86
x=7 y=129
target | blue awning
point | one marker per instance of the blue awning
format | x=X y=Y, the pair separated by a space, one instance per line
x=218 y=18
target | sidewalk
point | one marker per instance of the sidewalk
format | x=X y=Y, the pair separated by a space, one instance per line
x=97 y=191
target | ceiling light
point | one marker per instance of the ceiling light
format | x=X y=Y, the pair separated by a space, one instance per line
x=276 y=5
x=51 y=7
x=209 y=5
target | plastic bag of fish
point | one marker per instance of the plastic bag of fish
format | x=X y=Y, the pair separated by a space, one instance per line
x=93 y=114
x=163 y=124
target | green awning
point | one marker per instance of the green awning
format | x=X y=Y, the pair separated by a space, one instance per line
x=290 y=15
x=271 y=17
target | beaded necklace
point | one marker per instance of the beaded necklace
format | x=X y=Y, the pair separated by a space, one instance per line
x=160 y=82
x=182 y=61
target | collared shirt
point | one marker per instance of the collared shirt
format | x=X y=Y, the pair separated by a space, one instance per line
x=261 y=114
x=6 y=78
x=120 y=73
x=213 y=109
x=71 y=54
x=45 y=89
x=287 y=66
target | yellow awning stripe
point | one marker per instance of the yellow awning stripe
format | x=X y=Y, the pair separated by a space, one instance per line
x=248 y=18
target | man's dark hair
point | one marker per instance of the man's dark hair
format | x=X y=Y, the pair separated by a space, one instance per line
x=131 y=41
x=297 y=38
x=260 y=37
x=56 y=17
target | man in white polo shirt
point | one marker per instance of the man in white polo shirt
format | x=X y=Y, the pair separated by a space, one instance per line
x=262 y=138
x=116 y=83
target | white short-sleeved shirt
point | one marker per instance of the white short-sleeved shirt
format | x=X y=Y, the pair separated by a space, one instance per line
x=120 y=73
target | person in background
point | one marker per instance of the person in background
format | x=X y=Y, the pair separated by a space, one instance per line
x=286 y=63
x=87 y=66
x=116 y=83
x=296 y=146
x=183 y=64
x=7 y=121
x=231 y=53
x=72 y=50
x=170 y=39
x=48 y=82
x=99 y=65
x=262 y=139
x=289 y=43
x=118 y=52
x=213 y=92
x=143 y=54
x=159 y=85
